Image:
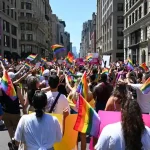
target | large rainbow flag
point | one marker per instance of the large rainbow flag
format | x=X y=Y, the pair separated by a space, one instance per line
x=83 y=86
x=130 y=64
x=88 y=120
x=145 y=89
x=69 y=58
x=8 y=87
x=143 y=65
x=57 y=48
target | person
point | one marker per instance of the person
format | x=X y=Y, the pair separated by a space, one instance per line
x=102 y=92
x=119 y=95
x=92 y=83
x=129 y=134
x=62 y=102
x=142 y=99
x=46 y=74
x=32 y=127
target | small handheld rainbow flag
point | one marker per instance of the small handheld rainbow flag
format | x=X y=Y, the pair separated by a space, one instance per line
x=69 y=78
x=105 y=70
x=31 y=57
x=41 y=70
x=57 y=48
x=88 y=120
x=83 y=86
x=89 y=57
x=143 y=65
x=8 y=87
x=145 y=89
x=28 y=65
x=71 y=71
x=55 y=59
x=69 y=58
x=44 y=60
x=130 y=65
x=0 y=57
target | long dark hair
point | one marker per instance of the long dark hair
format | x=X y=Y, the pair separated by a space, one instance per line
x=132 y=125
x=39 y=101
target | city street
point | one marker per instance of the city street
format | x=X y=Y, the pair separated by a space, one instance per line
x=4 y=139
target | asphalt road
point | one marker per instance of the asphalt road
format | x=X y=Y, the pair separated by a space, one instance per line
x=4 y=139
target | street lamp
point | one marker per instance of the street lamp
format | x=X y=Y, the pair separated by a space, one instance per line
x=7 y=9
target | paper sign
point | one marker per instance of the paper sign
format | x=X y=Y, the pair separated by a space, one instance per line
x=37 y=65
x=106 y=61
x=95 y=55
x=94 y=61
x=80 y=61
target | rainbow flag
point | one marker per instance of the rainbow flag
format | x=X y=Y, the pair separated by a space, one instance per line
x=83 y=86
x=43 y=59
x=8 y=87
x=31 y=57
x=0 y=57
x=41 y=70
x=88 y=120
x=55 y=59
x=71 y=71
x=89 y=57
x=69 y=78
x=57 y=48
x=145 y=89
x=143 y=65
x=130 y=65
x=69 y=58
x=28 y=65
x=105 y=70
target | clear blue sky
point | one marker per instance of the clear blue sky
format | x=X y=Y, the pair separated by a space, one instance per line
x=74 y=13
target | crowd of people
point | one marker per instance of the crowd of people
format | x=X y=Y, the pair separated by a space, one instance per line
x=52 y=92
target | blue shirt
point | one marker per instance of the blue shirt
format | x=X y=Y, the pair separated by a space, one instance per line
x=1 y=112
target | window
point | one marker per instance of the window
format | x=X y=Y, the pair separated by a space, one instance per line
x=11 y=1
x=28 y=6
x=133 y=38
x=145 y=33
x=136 y=15
x=145 y=7
x=22 y=5
x=120 y=19
x=22 y=26
x=28 y=48
x=29 y=26
x=14 y=43
x=28 y=15
x=120 y=6
x=6 y=26
x=12 y=15
x=140 y=12
x=13 y=30
x=22 y=48
x=126 y=6
x=120 y=44
x=132 y=18
x=22 y=36
x=4 y=7
x=126 y=22
x=29 y=37
x=7 y=10
x=6 y=41
x=120 y=31
x=22 y=14
x=15 y=3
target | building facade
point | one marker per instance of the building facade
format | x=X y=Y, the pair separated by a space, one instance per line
x=35 y=28
x=137 y=31
x=112 y=29
x=9 y=41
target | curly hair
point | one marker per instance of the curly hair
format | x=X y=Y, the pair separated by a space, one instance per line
x=132 y=125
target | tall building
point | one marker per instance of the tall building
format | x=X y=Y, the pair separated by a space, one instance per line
x=112 y=28
x=9 y=41
x=137 y=30
x=74 y=51
x=99 y=27
x=85 y=46
x=35 y=28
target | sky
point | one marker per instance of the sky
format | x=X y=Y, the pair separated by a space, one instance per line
x=74 y=13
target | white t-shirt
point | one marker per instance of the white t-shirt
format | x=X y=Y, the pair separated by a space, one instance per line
x=38 y=133
x=112 y=138
x=45 y=82
x=62 y=102
x=142 y=99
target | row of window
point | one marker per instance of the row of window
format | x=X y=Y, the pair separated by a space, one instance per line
x=9 y=11
x=130 y=3
x=28 y=37
x=6 y=28
x=136 y=15
x=12 y=2
x=26 y=26
x=26 y=5
x=26 y=48
x=7 y=42
x=28 y=15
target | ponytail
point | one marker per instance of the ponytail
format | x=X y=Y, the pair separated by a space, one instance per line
x=39 y=113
